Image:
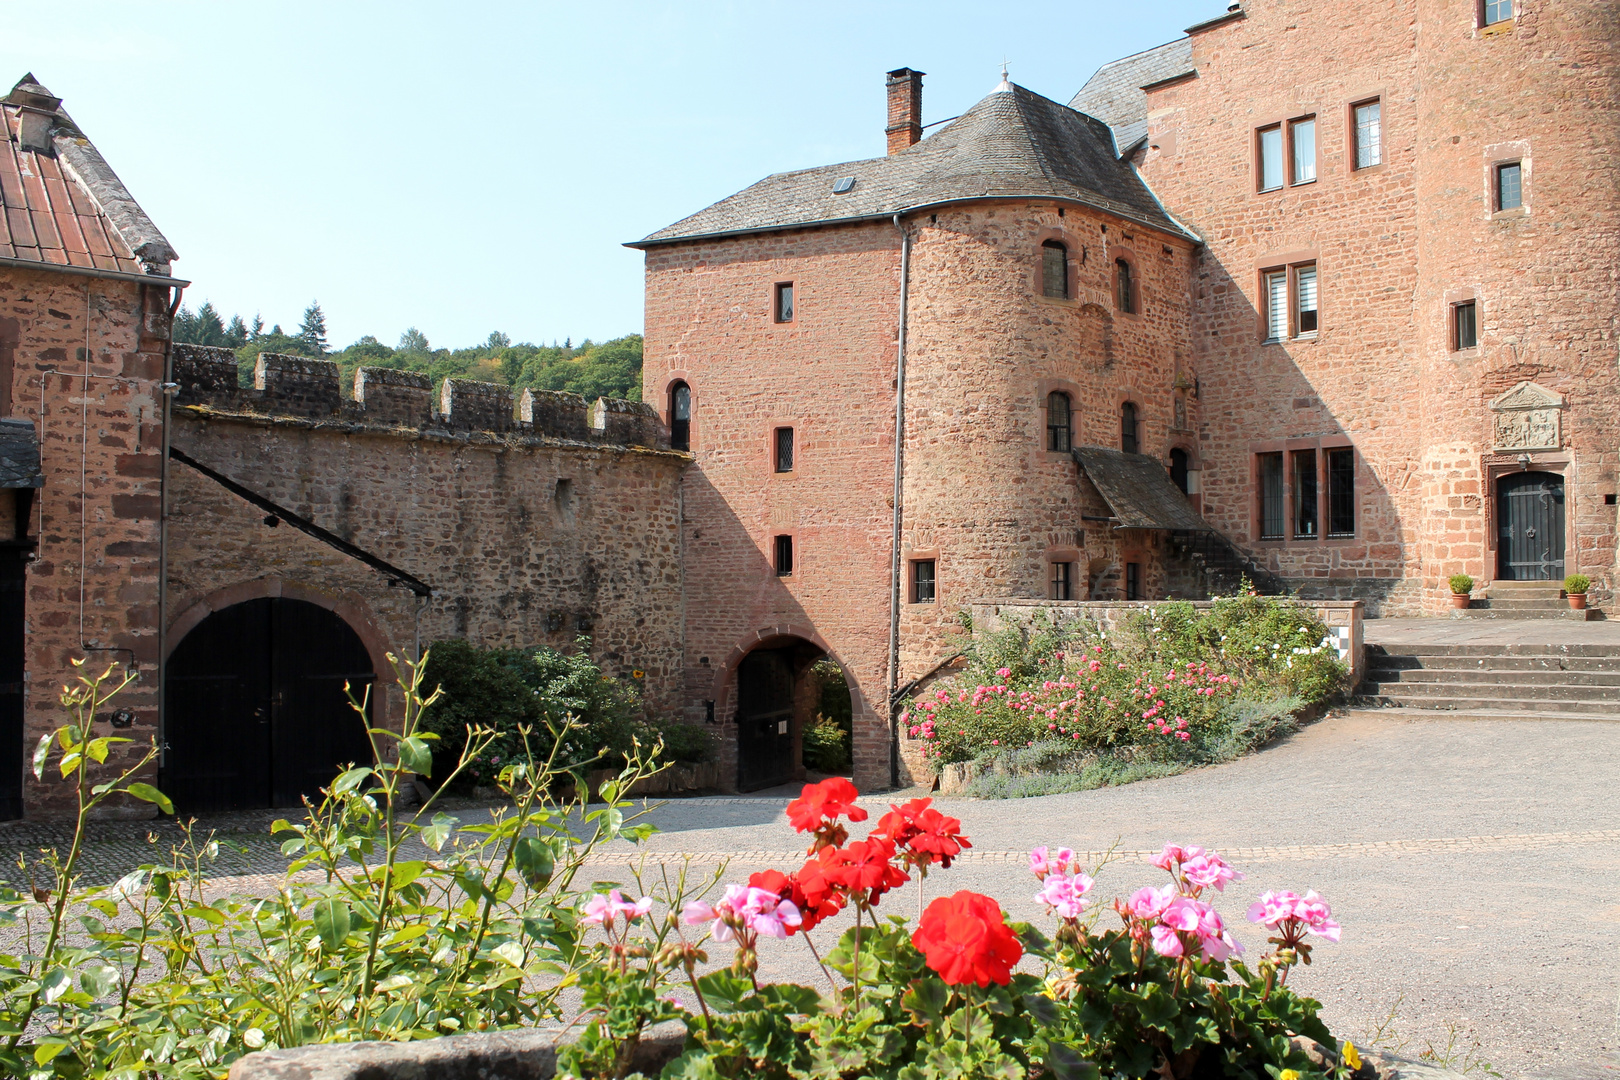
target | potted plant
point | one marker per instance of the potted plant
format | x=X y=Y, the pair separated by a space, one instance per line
x=1461 y=586
x=1575 y=587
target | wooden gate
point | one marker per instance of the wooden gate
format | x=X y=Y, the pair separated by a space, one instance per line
x=255 y=710
x=1530 y=527
x=764 y=719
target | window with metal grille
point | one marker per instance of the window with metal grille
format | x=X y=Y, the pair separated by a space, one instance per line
x=1305 y=300
x=1276 y=305
x=1271 y=496
x=784 y=449
x=782 y=308
x=1305 y=511
x=784 y=556
x=1057 y=422
x=1369 y=134
x=1128 y=441
x=1498 y=11
x=922 y=581
x=1124 y=288
x=680 y=416
x=1302 y=136
x=1341 y=480
x=1054 y=270
x=1062 y=588
x=1133 y=581
x=1271 y=158
x=1509 y=192
x=1465 y=325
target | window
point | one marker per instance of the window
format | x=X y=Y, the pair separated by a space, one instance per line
x=1179 y=468
x=680 y=416
x=1271 y=496
x=1271 y=158
x=1465 y=325
x=1369 y=135
x=784 y=556
x=1305 y=300
x=1057 y=422
x=782 y=310
x=1128 y=441
x=1062 y=581
x=1276 y=305
x=1498 y=11
x=1054 y=270
x=1302 y=137
x=1341 y=480
x=1133 y=581
x=1124 y=290
x=922 y=581
x=784 y=449
x=1305 y=495
x=1509 y=192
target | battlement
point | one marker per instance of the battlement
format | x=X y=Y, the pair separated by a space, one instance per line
x=297 y=386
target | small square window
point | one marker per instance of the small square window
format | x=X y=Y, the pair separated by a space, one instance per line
x=1369 y=134
x=1498 y=11
x=784 y=449
x=1465 y=325
x=784 y=556
x=1509 y=189
x=922 y=581
x=1302 y=136
x=1062 y=581
x=782 y=310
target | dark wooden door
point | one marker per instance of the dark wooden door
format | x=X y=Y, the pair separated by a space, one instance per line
x=256 y=713
x=764 y=719
x=1530 y=526
x=13 y=579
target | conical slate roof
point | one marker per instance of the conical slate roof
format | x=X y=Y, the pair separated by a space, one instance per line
x=1012 y=144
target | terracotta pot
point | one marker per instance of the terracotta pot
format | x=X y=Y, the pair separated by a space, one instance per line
x=1577 y=600
x=1460 y=599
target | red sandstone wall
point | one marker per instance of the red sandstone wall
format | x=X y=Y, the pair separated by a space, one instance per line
x=94 y=580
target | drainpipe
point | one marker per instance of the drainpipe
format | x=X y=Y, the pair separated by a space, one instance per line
x=899 y=475
x=167 y=389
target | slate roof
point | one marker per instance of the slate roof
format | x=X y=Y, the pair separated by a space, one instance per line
x=1139 y=490
x=19 y=455
x=1114 y=94
x=61 y=204
x=1012 y=144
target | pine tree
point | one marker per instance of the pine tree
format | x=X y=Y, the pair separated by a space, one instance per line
x=184 y=329
x=413 y=341
x=312 y=331
x=257 y=329
x=208 y=330
x=497 y=341
x=236 y=334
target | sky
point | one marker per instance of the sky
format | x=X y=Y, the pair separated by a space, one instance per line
x=476 y=166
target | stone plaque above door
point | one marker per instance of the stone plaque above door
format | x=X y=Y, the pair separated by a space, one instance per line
x=1527 y=417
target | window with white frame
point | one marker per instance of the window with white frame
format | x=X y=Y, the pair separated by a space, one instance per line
x=1369 y=134
x=1291 y=302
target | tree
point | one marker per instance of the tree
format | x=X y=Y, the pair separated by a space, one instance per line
x=413 y=341
x=236 y=334
x=497 y=341
x=312 y=331
x=257 y=328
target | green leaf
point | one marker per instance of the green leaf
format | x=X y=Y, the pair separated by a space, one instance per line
x=47 y=1050
x=1065 y=1063
x=435 y=835
x=99 y=981
x=41 y=752
x=1042 y=1008
x=415 y=756
x=926 y=999
x=350 y=780
x=535 y=861
x=331 y=918
x=148 y=793
x=98 y=748
x=1157 y=1006
x=511 y=952
x=55 y=984
x=70 y=763
x=723 y=990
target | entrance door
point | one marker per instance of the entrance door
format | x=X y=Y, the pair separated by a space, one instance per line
x=13 y=636
x=1530 y=527
x=256 y=713
x=765 y=719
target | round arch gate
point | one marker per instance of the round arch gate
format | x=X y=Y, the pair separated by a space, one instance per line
x=256 y=715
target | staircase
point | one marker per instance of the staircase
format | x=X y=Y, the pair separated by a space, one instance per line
x=1569 y=681
x=1211 y=566
x=1523 y=600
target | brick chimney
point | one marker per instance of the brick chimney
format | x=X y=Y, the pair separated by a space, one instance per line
x=905 y=108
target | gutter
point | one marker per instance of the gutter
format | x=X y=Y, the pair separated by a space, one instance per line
x=899 y=479
x=167 y=389
x=90 y=271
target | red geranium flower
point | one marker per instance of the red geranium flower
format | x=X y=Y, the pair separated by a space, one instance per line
x=826 y=801
x=926 y=835
x=966 y=940
x=865 y=866
x=824 y=896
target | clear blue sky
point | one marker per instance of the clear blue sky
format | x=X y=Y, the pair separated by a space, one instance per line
x=468 y=167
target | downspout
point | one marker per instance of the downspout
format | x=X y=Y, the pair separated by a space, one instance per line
x=899 y=476
x=167 y=389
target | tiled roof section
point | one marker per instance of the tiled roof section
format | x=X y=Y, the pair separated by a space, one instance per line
x=19 y=455
x=60 y=202
x=1138 y=489
x=1114 y=94
x=1014 y=143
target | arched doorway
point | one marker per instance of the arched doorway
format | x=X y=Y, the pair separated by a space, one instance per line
x=765 y=700
x=1530 y=527
x=255 y=713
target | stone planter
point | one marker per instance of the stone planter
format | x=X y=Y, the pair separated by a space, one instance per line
x=1577 y=601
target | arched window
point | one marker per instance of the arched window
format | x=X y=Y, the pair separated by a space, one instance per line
x=680 y=417
x=1124 y=289
x=1054 y=270
x=1057 y=422
x=1128 y=441
x=1178 y=468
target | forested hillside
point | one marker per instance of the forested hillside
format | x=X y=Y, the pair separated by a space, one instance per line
x=594 y=369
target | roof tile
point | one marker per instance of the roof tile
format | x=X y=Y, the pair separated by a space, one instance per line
x=1114 y=94
x=45 y=229
x=22 y=228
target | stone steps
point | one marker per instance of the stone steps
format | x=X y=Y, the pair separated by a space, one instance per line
x=1393 y=712
x=1512 y=691
x=1596 y=664
x=1489 y=676
x=1529 y=679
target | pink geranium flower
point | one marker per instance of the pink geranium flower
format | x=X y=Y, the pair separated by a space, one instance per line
x=604 y=910
x=1294 y=916
x=1064 y=894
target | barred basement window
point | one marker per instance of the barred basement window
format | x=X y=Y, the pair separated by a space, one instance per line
x=784 y=556
x=782 y=307
x=1509 y=189
x=1369 y=134
x=1062 y=588
x=1305 y=480
x=680 y=416
x=1057 y=422
x=1271 y=496
x=784 y=449
x=1341 y=478
x=922 y=581
x=1465 y=325
x=1054 y=270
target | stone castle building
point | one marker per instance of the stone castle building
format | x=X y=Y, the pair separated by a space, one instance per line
x=1321 y=294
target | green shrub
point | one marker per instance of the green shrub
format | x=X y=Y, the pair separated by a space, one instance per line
x=682 y=742
x=1461 y=584
x=1577 y=584
x=827 y=746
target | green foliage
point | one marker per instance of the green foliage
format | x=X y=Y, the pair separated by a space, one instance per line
x=312 y=330
x=827 y=746
x=1577 y=584
x=1461 y=584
